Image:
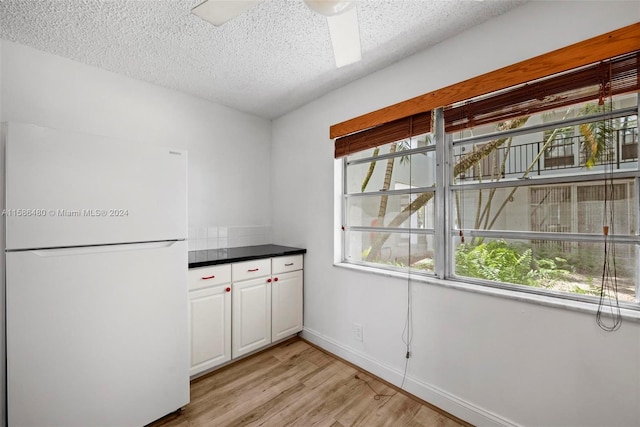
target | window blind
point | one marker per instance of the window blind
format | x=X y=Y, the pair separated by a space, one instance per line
x=592 y=82
x=396 y=130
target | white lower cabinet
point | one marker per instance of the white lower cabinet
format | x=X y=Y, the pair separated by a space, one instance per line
x=251 y=318
x=286 y=304
x=210 y=327
x=286 y=296
x=261 y=304
x=209 y=317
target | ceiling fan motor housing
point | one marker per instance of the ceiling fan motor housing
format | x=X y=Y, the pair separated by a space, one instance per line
x=329 y=7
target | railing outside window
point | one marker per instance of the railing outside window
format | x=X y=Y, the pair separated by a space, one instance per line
x=560 y=155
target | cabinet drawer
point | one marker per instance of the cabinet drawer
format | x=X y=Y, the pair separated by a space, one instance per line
x=250 y=269
x=285 y=264
x=205 y=277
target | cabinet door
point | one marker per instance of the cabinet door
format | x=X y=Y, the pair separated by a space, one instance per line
x=210 y=327
x=251 y=301
x=286 y=294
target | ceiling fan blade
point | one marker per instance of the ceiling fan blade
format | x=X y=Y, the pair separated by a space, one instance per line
x=218 y=12
x=345 y=37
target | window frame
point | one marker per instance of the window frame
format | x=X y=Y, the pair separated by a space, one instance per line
x=443 y=230
x=410 y=191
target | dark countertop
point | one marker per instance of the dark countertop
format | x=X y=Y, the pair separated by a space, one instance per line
x=245 y=253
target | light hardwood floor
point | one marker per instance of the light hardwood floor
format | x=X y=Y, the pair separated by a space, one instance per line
x=296 y=384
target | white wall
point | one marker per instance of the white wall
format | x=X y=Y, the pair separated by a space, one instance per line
x=487 y=359
x=51 y=91
x=229 y=151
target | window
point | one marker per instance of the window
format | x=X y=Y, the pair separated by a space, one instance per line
x=389 y=204
x=627 y=138
x=559 y=153
x=511 y=189
x=541 y=228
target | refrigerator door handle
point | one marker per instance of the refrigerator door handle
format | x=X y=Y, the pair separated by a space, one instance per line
x=102 y=248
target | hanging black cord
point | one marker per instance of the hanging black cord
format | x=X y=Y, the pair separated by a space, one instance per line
x=407 y=332
x=608 y=303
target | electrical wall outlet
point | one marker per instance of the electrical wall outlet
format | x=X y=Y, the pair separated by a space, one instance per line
x=357 y=332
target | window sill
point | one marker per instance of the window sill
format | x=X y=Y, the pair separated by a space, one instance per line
x=544 y=300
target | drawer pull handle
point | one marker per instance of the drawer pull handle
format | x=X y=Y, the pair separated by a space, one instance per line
x=275 y=279
x=269 y=280
x=253 y=270
x=288 y=265
x=208 y=277
x=228 y=289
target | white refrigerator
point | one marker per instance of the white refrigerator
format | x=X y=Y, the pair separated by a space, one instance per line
x=96 y=279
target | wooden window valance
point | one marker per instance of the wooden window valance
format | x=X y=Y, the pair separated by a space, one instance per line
x=396 y=130
x=597 y=81
x=612 y=44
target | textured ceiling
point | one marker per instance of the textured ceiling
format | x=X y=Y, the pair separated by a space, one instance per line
x=273 y=58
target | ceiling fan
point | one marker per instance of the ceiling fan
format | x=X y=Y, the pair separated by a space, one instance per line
x=342 y=19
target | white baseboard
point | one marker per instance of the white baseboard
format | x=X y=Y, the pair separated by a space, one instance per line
x=435 y=396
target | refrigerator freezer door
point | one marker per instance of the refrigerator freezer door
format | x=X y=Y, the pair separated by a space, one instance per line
x=72 y=189
x=97 y=336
